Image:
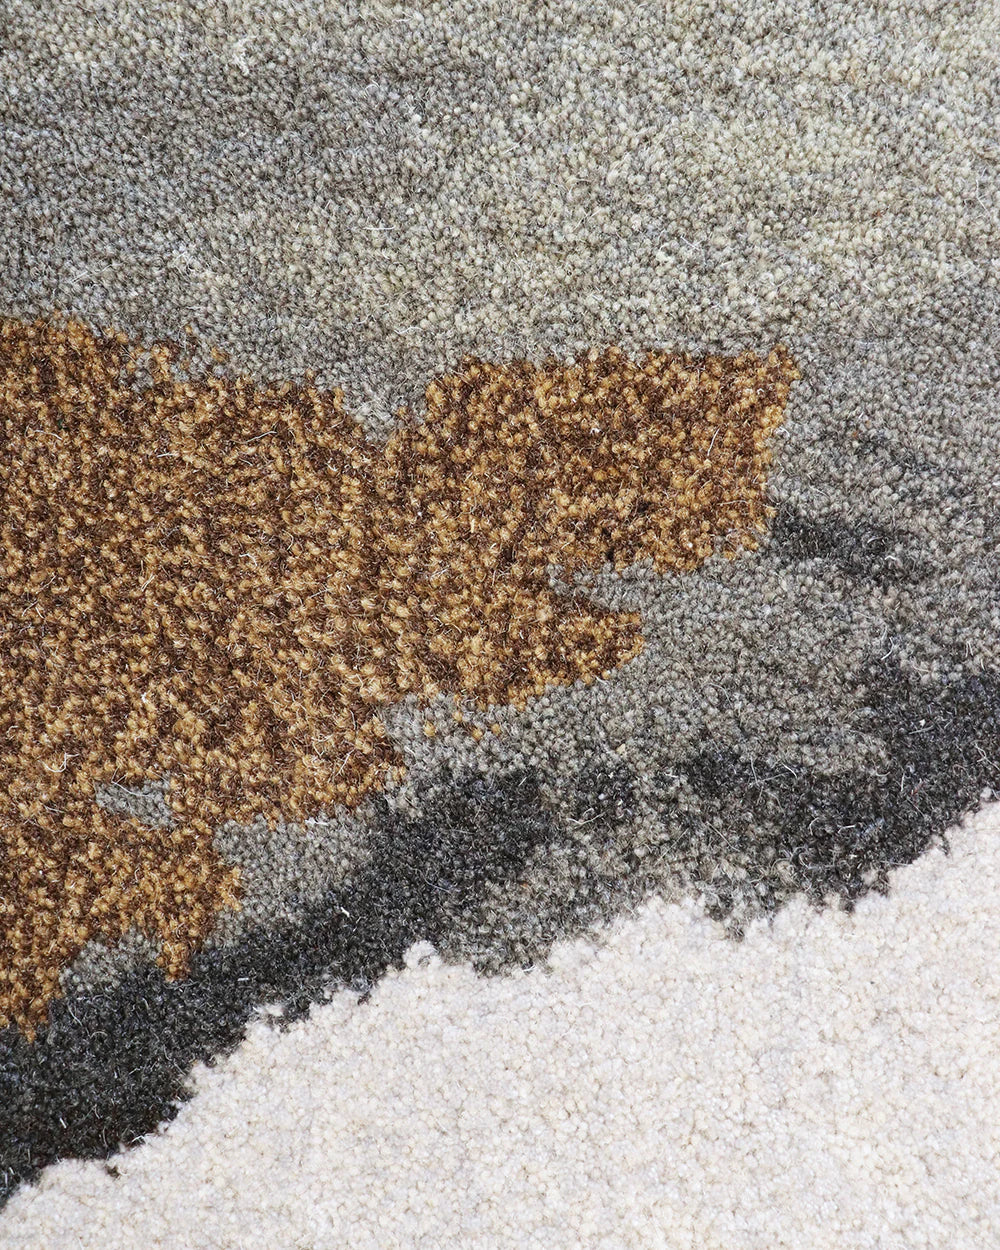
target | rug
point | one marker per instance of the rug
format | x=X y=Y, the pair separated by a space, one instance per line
x=499 y=625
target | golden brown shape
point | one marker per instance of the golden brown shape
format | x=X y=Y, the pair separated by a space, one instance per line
x=225 y=583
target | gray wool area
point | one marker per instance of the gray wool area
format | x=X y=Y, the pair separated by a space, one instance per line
x=373 y=193
x=146 y=802
x=99 y=967
x=286 y=868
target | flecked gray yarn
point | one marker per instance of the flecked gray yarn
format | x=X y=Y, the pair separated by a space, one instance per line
x=146 y=802
x=371 y=191
x=286 y=869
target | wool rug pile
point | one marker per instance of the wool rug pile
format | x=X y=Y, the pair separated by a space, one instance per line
x=499 y=625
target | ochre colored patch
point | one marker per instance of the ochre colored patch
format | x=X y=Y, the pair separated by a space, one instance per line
x=225 y=583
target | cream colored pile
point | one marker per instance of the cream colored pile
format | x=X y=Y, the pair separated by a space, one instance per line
x=831 y=1082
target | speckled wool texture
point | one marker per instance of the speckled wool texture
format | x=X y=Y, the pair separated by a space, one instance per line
x=369 y=191
x=831 y=1081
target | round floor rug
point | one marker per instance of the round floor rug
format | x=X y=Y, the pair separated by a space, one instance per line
x=499 y=625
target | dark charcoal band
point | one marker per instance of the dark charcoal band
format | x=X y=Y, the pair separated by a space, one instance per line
x=113 y=1063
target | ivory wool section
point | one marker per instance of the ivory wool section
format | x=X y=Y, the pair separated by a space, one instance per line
x=851 y=1071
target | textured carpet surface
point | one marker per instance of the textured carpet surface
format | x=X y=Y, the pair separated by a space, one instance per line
x=829 y=1082
x=471 y=475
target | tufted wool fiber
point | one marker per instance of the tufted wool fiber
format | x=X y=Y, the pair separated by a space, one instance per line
x=499 y=625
